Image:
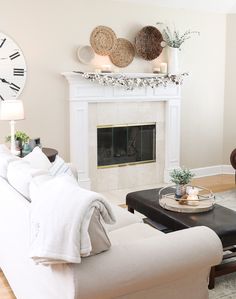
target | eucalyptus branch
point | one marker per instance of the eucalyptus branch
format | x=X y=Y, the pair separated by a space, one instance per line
x=174 y=38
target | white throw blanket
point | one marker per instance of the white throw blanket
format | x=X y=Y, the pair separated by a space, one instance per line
x=60 y=216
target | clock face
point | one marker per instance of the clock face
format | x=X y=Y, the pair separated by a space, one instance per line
x=12 y=69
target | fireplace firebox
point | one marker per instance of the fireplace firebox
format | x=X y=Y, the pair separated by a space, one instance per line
x=121 y=145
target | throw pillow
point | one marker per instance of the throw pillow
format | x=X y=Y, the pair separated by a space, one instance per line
x=5 y=158
x=38 y=159
x=19 y=175
x=59 y=166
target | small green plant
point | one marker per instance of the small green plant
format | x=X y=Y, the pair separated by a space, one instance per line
x=181 y=176
x=174 y=38
x=20 y=136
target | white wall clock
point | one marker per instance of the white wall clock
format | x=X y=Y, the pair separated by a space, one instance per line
x=12 y=69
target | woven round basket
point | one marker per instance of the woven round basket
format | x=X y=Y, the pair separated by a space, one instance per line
x=103 y=40
x=148 y=43
x=123 y=53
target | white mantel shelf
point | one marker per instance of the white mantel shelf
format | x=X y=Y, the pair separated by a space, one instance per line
x=81 y=87
x=82 y=92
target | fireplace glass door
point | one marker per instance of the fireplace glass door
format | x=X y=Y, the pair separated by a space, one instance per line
x=120 y=145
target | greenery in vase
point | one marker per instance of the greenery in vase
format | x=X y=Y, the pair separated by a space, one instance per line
x=20 y=136
x=174 y=38
x=181 y=176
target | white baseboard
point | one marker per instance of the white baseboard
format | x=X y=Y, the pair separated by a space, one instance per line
x=213 y=170
x=228 y=169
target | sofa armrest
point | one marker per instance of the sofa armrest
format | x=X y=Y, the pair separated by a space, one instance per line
x=146 y=263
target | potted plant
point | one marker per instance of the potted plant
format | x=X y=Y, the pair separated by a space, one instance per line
x=21 y=139
x=181 y=177
x=174 y=40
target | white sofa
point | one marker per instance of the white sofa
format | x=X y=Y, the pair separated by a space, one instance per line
x=141 y=263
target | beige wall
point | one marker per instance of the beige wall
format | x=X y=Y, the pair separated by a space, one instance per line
x=230 y=90
x=49 y=33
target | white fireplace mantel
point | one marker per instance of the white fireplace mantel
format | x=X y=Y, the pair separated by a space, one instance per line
x=82 y=92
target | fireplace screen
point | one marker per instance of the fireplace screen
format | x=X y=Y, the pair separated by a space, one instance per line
x=120 y=145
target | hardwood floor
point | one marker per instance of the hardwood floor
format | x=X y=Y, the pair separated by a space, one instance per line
x=5 y=290
x=217 y=183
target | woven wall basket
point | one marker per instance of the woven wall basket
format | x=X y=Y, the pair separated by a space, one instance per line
x=85 y=54
x=103 y=40
x=123 y=53
x=148 y=43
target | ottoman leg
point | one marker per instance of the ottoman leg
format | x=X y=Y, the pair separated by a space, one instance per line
x=211 y=284
x=131 y=210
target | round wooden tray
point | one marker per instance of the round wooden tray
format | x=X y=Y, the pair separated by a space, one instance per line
x=174 y=205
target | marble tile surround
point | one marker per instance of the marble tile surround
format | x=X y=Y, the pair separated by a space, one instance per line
x=116 y=178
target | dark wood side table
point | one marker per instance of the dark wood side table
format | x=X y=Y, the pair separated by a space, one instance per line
x=233 y=161
x=51 y=153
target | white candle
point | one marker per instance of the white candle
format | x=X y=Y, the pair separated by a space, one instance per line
x=193 y=196
x=97 y=70
x=163 y=67
x=192 y=201
x=106 y=68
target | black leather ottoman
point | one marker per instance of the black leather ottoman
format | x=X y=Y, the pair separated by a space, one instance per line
x=220 y=219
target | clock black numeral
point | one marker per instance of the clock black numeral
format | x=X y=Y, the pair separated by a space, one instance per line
x=14 y=55
x=2 y=43
x=18 y=72
x=14 y=87
x=2 y=98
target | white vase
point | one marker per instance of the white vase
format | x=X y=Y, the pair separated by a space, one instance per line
x=173 y=60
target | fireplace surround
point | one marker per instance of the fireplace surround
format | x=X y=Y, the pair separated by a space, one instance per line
x=93 y=105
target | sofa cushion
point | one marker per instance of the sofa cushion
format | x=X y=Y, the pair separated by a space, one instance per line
x=133 y=232
x=123 y=218
x=38 y=159
x=20 y=174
